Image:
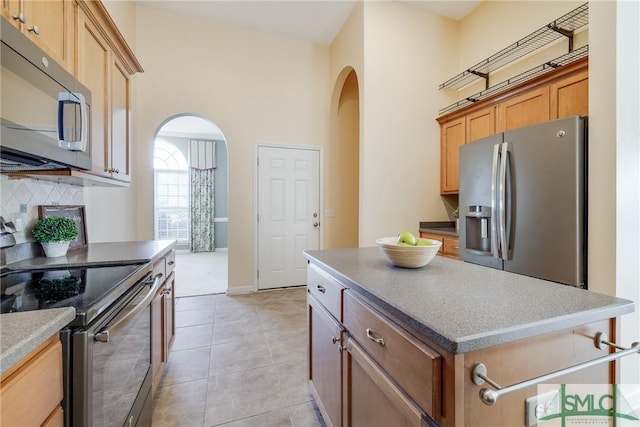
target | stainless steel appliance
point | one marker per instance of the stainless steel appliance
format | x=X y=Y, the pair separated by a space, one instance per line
x=107 y=348
x=46 y=113
x=522 y=201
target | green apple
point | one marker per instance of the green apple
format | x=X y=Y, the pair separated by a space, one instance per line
x=422 y=242
x=404 y=244
x=407 y=237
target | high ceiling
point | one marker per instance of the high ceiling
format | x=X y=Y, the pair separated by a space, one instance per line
x=317 y=21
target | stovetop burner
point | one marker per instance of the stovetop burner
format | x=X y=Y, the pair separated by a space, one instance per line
x=89 y=290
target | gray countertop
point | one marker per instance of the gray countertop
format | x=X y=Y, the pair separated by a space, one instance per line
x=446 y=228
x=21 y=333
x=102 y=254
x=464 y=307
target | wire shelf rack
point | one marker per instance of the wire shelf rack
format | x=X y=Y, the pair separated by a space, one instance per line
x=565 y=26
x=565 y=59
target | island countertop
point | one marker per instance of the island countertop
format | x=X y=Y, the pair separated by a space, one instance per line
x=465 y=307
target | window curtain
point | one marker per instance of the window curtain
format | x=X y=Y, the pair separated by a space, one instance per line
x=202 y=159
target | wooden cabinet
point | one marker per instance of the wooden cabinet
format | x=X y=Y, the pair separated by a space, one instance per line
x=450 y=244
x=31 y=391
x=411 y=365
x=526 y=109
x=570 y=96
x=558 y=94
x=452 y=136
x=325 y=361
x=372 y=398
x=163 y=327
x=480 y=124
x=100 y=69
x=49 y=24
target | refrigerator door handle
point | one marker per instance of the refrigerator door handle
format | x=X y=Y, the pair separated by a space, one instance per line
x=502 y=217
x=494 y=193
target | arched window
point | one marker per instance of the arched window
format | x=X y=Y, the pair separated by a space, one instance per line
x=171 y=211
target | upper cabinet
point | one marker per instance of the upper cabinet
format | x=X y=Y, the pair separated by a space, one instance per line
x=105 y=65
x=562 y=93
x=49 y=24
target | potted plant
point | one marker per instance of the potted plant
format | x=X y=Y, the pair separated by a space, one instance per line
x=456 y=215
x=54 y=234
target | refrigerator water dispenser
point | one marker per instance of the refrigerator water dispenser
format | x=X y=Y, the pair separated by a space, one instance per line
x=478 y=230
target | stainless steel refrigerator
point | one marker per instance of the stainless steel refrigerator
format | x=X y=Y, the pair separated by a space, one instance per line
x=523 y=201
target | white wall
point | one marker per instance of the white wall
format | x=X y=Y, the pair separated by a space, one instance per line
x=254 y=86
x=628 y=176
x=407 y=52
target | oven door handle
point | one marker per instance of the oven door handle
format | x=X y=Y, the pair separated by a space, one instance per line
x=104 y=335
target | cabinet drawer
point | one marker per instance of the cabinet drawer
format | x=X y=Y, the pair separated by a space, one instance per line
x=326 y=290
x=411 y=364
x=34 y=390
x=170 y=262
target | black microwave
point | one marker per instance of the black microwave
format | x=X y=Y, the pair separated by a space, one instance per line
x=45 y=112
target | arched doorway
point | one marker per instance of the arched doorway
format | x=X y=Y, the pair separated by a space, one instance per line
x=342 y=193
x=191 y=201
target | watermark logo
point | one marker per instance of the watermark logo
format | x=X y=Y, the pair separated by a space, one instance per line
x=576 y=405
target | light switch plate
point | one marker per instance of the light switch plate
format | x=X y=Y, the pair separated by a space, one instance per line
x=536 y=407
x=329 y=213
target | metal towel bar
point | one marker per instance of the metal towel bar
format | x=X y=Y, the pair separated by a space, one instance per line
x=489 y=397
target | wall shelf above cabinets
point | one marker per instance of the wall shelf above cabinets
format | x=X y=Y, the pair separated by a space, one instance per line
x=563 y=27
x=504 y=86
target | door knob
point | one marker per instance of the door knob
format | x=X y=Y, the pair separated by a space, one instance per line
x=315 y=214
x=316 y=224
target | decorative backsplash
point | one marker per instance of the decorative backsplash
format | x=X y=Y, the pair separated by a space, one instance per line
x=32 y=193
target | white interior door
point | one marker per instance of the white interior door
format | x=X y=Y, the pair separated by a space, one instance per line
x=288 y=214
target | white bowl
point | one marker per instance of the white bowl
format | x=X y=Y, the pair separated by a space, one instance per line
x=408 y=256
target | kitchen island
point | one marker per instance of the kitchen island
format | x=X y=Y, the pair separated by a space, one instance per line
x=445 y=317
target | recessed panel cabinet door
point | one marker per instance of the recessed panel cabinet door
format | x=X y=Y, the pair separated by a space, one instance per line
x=523 y=110
x=94 y=72
x=570 y=96
x=325 y=366
x=120 y=124
x=372 y=398
x=452 y=136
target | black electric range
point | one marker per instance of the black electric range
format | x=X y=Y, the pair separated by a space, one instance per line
x=89 y=289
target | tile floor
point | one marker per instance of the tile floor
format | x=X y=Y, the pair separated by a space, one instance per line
x=238 y=361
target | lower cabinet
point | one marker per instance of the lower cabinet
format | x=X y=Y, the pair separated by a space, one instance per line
x=163 y=328
x=372 y=399
x=325 y=361
x=450 y=244
x=31 y=392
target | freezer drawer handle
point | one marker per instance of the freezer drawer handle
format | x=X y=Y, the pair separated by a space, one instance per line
x=490 y=397
x=104 y=336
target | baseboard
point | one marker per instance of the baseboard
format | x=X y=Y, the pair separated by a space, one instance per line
x=238 y=290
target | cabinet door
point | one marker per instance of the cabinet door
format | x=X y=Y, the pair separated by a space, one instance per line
x=120 y=124
x=451 y=247
x=452 y=136
x=55 y=23
x=325 y=365
x=169 y=303
x=523 y=110
x=371 y=397
x=570 y=96
x=480 y=124
x=94 y=68
x=11 y=11
x=157 y=339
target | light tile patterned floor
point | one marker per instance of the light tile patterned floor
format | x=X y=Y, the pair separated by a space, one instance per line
x=238 y=361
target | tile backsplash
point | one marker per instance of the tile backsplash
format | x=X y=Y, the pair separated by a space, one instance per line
x=32 y=193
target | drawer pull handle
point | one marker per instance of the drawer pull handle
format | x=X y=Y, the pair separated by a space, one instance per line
x=373 y=337
x=171 y=262
x=335 y=340
x=321 y=288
